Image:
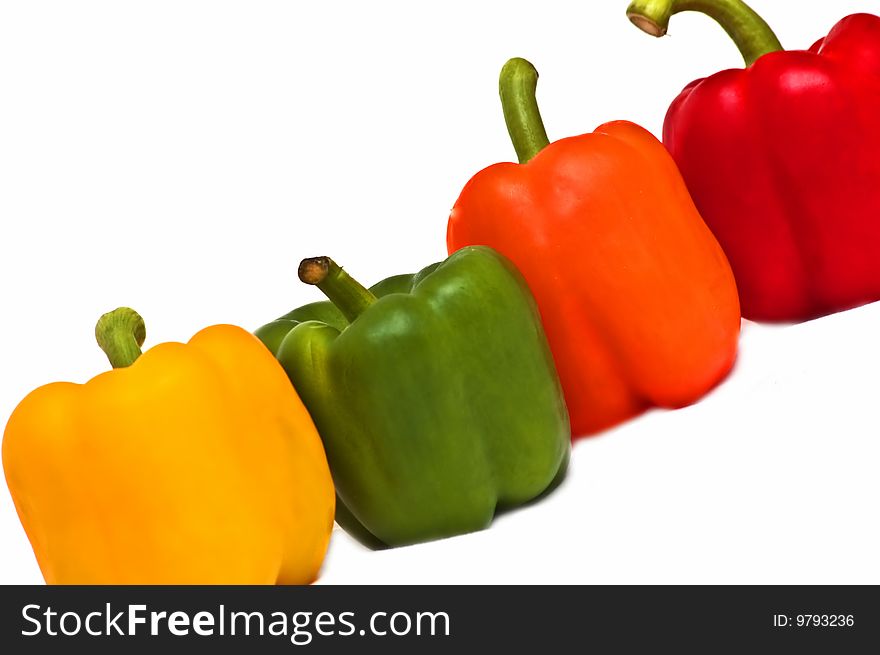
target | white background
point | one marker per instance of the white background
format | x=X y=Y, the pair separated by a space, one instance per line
x=182 y=157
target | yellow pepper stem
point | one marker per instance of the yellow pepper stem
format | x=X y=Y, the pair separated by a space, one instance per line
x=121 y=333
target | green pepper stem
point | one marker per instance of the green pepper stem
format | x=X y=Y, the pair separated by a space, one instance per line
x=349 y=295
x=749 y=32
x=517 y=86
x=120 y=335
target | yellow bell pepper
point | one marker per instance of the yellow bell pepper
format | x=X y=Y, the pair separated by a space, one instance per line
x=192 y=464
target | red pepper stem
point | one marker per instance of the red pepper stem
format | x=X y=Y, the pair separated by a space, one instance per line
x=349 y=295
x=120 y=335
x=517 y=86
x=749 y=32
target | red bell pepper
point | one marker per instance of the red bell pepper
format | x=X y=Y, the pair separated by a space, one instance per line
x=781 y=160
x=638 y=301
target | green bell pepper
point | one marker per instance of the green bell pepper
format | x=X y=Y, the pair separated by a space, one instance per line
x=435 y=394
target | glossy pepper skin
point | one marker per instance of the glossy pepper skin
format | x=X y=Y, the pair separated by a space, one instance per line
x=781 y=160
x=195 y=464
x=438 y=402
x=637 y=298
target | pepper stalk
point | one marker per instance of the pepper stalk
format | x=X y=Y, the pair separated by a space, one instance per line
x=349 y=295
x=751 y=34
x=120 y=334
x=517 y=86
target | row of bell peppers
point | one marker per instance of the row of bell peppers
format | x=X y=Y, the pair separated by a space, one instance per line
x=602 y=275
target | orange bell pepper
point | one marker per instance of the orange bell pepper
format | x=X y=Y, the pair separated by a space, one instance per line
x=637 y=298
x=193 y=463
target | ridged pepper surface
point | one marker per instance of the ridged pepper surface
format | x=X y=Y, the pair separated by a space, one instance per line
x=190 y=464
x=637 y=297
x=435 y=395
x=781 y=159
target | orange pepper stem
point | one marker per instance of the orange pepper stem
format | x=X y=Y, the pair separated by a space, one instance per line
x=120 y=335
x=349 y=295
x=517 y=86
x=749 y=31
